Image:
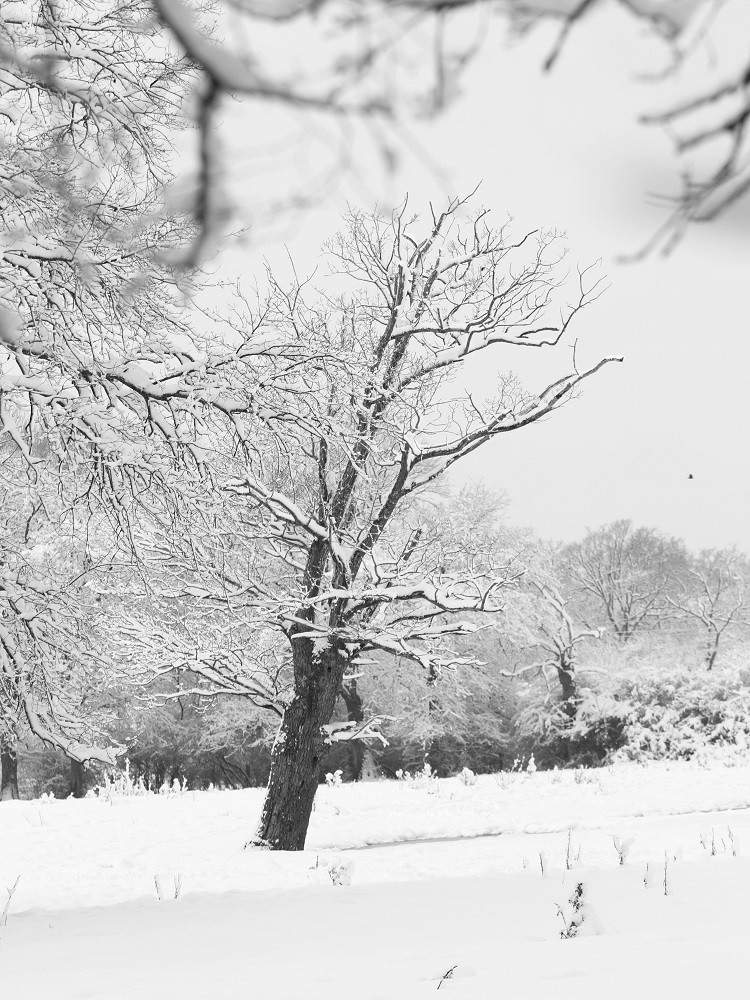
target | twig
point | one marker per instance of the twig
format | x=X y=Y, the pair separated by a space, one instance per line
x=10 y=890
x=447 y=975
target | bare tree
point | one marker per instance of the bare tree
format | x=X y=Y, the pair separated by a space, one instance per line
x=710 y=118
x=49 y=662
x=88 y=98
x=553 y=633
x=366 y=434
x=425 y=44
x=711 y=592
x=623 y=571
x=8 y=770
x=458 y=533
x=313 y=523
x=544 y=635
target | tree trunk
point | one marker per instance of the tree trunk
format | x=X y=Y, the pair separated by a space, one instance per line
x=569 y=693
x=355 y=749
x=300 y=748
x=428 y=745
x=566 y=675
x=75 y=785
x=9 y=769
x=233 y=773
x=712 y=650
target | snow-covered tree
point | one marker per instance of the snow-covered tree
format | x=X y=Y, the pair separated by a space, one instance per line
x=622 y=572
x=547 y=628
x=386 y=61
x=710 y=593
x=88 y=98
x=456 y=714
x=50 y=657
x=332 y=552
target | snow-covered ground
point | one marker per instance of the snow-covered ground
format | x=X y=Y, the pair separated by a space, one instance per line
x=442 y=876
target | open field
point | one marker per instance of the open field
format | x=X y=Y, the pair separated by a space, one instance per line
x=85 y=920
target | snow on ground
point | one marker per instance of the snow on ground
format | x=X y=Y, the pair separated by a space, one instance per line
x=85 y=920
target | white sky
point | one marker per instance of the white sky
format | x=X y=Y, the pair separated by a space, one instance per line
x=566 y=150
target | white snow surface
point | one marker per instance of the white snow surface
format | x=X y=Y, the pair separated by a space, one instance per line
x=453 y=881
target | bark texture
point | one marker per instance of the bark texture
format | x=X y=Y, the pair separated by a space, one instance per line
x=300 y=749
x=75 y=785
x=9 y=769
x=355 y=749
x=567 y=679
x=566 y=675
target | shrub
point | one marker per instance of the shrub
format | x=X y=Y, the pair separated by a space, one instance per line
x=684 y=714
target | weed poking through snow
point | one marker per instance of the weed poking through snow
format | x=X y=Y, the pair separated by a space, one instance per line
x=336 y=870
x=709 y=844
x=467 y=777
x=572 y=914
x=425 y=779
x=577 y=915
x=733 y=842
x=10 y=889
x=623 y=848
x=447 y=975
x=159 y=883
x=572 y=858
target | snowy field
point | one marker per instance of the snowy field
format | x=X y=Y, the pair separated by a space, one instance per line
x=431 y=876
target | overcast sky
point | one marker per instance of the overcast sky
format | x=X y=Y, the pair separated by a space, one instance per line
x=565 y=150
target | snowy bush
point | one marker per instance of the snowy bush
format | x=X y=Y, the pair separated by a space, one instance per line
x=334 y=870
x=572 y=913
x=689 y=714
x=334 y=777
x=507 y=779
x=654 y=700
x=467 y=777
x=578 y=915
x=544 y=731
x=426 y=779
x=120 y=784
x=583 y=777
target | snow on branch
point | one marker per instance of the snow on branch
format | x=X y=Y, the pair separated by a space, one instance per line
x=280 y=506
x=45 y=726
x=344 y=732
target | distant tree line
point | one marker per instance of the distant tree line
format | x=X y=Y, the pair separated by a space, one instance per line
x=624 y=645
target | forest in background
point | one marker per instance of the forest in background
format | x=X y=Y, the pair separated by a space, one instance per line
x=624 y=645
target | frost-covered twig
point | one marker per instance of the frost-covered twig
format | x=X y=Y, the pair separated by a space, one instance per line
x=447 y=975
x=342 y=732
x=10 y=891
x=572 y=858
x=623 y=847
